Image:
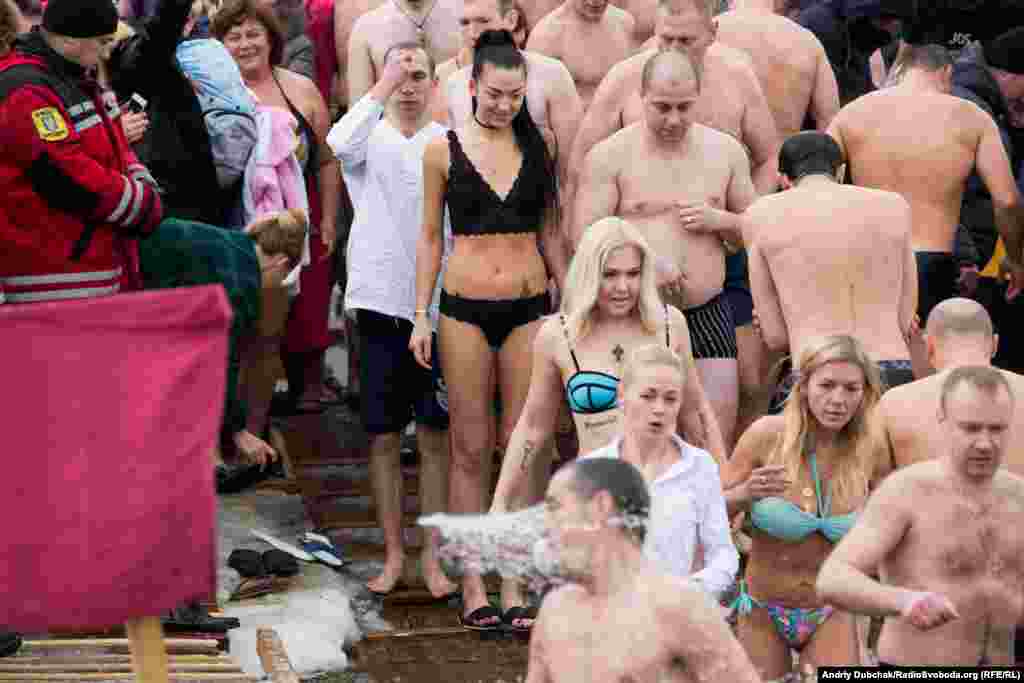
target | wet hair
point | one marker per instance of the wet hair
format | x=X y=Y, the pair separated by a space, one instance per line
x=707 y=8
x=984 y=378
x=498 y=48
x=808 y=153
x=9 y=24
x=652 y=355
x=583 y=282
x=929 y=57
x=234 y=12
x=624 y=484
x=858 y=441
x=959 y=316
x=676 y=61
x=412 y=45
x=283 y=232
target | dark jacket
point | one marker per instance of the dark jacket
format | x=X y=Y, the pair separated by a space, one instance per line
x=176 y=146
x=972 y=81
x=845 y=29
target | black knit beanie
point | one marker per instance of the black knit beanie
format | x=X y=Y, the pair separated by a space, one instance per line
x=1006 y=52
x=80 y=18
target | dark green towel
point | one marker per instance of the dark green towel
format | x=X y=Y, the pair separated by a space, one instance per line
x=183 y=253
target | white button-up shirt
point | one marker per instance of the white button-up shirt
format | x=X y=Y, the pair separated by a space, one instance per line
x=383 y=172
x=687 y=503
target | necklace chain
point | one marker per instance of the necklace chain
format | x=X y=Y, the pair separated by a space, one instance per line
x=417 y=24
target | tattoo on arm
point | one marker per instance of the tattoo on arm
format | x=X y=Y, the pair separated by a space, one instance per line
x=528 y=450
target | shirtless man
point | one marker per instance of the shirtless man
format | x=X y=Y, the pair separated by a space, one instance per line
x=916 y=139
x=827 y=258
x=471 y=30
x=432 y=23
x=732 y=102
x=618 y=618
x=346 y=13
x=668 y=176
x=790 y=63
x=946 y=536
x=959 y=333
x=551 y=95
x=731 y=99
x=570 y=33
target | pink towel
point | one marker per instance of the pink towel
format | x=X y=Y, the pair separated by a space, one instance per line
x=111 y=409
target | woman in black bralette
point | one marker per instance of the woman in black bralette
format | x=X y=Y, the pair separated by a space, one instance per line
x=497 y=177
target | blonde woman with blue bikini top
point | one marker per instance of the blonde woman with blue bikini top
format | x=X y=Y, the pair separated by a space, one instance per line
x=802 y=476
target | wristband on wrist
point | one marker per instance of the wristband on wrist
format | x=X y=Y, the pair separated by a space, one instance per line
x=420 y=311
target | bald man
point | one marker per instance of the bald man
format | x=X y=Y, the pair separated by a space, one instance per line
x=958 y=333
x=682 y=185
x=570 y=33
x=916 y=139
x=731 y=98
x=434 y=24
x=790 y=63
x=828 y=258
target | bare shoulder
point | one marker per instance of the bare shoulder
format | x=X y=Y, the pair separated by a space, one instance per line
x=550 y=25
x=619 y=17
x=715 y=141
x=542 y=64
x=298 y=85
x=676 y=317
x=606 y=152
x=629 y=69
x=549 y=334
x=899 y=488
x=564 y=597
x=738 y=62
x=1010 y=486
x=682 y=606
x=436 y=154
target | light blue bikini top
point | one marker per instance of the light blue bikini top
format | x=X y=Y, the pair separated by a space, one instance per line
x=784 y=520
x=593 y=392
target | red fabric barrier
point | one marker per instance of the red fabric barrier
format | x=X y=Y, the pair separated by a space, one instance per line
x=111 y=411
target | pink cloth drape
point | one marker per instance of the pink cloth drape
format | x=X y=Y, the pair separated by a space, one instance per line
x=111 y=411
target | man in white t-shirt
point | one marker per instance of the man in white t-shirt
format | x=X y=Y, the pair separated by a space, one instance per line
x=380 y=143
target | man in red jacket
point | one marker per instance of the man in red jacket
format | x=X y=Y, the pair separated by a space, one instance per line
x=73 y=195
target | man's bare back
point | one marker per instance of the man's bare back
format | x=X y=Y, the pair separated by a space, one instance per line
x=644 y=189
x=827 y=258
x=920 y=145
x=731 y=101
x=968 y=550
x=565 y=36
x=910 y=418
x=659 y=629
x=790 y=64
x=377 y=30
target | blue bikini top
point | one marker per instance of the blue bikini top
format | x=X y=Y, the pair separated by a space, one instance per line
x=593 y=392
x=782 y=519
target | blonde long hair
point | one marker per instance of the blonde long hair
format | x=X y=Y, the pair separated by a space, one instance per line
x=583 y=282
x=857 y=442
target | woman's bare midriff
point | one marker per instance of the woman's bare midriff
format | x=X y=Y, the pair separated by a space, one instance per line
x=783 y=573
x=496 y=267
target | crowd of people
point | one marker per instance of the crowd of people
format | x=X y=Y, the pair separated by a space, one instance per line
x=750 y=270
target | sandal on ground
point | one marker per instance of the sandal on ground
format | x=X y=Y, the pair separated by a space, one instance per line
x=518 y=613
x=321 y=548
x=474 y=621
x=254 y=587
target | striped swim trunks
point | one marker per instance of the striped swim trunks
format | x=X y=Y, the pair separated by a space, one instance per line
x=712 y=331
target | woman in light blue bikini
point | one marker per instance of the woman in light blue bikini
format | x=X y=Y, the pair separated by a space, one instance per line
x=610 y=307
x=802 y=476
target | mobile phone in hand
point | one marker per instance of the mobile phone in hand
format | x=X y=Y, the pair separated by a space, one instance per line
x=137 y=104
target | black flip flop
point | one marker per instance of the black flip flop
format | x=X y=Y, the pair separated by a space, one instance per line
x=279 y=563
x=248 y=563
x=512 y=614
x=472 y=621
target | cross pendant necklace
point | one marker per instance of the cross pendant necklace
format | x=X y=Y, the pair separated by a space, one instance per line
x=618 y=352
x=421 y=35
